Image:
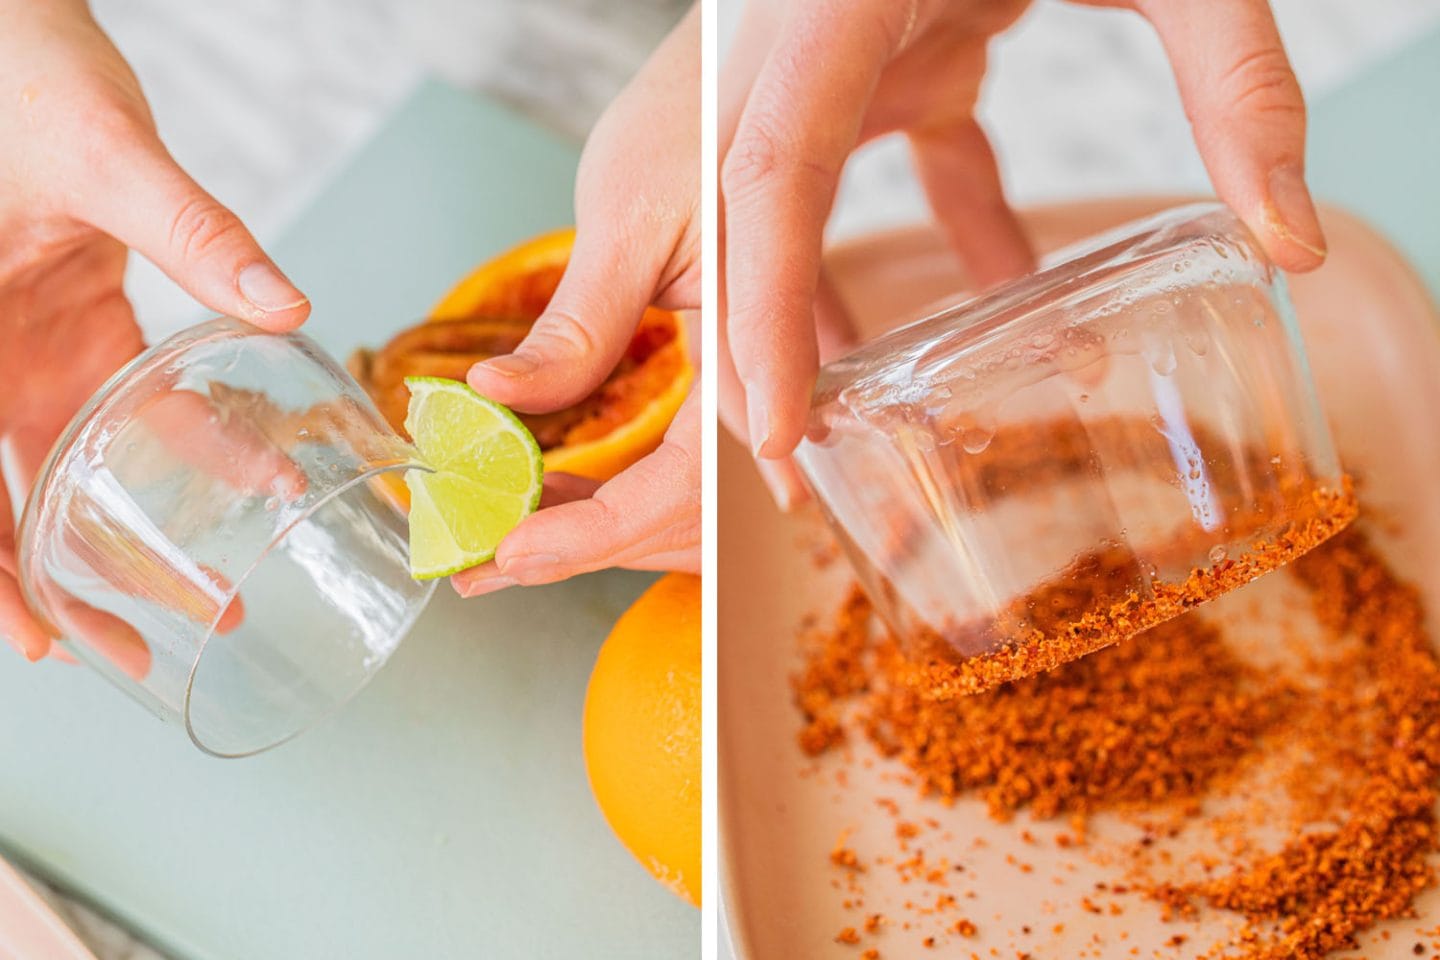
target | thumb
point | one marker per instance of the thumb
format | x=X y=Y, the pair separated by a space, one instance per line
x=144 y=200
x=582 y=334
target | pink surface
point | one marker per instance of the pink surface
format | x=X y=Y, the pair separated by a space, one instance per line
x=1375 y=349
x=29 y=929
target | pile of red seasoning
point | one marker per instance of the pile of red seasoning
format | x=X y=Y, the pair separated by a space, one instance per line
x=1167 y=720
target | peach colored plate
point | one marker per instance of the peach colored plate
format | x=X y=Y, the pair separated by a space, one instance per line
x=1375 y=348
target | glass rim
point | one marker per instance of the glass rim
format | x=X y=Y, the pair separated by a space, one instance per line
x=404 y=627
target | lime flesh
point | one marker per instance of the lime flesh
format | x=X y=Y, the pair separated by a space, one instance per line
x=484 y=476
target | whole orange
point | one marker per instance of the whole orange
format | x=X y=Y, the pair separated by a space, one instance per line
x=642 y=732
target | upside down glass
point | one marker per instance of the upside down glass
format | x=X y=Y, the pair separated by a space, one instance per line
x=209 y=534
x=1142 y=408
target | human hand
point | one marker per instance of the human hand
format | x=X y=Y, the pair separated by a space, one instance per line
x=808 y=82
x=83 y=176
x=637 y=243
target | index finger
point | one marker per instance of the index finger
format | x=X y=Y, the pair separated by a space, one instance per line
x=1248 y=115
x=800 y=122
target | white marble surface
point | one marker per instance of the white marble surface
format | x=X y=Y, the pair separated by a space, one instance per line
x=1080 y=102
x=262 y=99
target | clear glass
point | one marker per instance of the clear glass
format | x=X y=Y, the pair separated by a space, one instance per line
x=1144 y=403
x=212 y=534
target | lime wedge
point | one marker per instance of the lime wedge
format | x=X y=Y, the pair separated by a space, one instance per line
x=486 y=476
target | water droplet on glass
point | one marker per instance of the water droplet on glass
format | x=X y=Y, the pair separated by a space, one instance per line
x=976 y=438
x=1084 y=398
x=1162 y=361
x=1275 y=460
x=1198 y=340
x=1217 y=553
x=271 y=503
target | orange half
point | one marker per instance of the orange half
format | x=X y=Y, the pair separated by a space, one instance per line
x=490 y=311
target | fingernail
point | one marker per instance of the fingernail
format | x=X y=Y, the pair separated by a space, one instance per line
x=1290 y=212
x=532 y=568
x=511 y=365
x=264 y=287
x=478 y=588
x=780 y=490
x=758 y=420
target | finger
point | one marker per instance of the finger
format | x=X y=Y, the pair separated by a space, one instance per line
x=558 y=488
x=778 y=180
x=561 y=488
x=962 y=181
x=142 y=198
x=582 y=334
x=1248 y=115
x=233 y=449
x=628 y=232
x=780 y=476
x=17 y=626
x=834 y=326
x=232 y=614
x=111 y=637
x=784 y=481
x=654 y=507
x=198 y=592
x=835 y=336
x=649 y=509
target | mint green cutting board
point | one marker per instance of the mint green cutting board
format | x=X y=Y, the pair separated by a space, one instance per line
x=1374 y=148
x=445 y=812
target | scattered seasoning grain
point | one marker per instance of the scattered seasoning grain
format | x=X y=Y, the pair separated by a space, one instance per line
x=848 y=935
x=1178 y=712
x=1325 y=886
x=843 y=856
